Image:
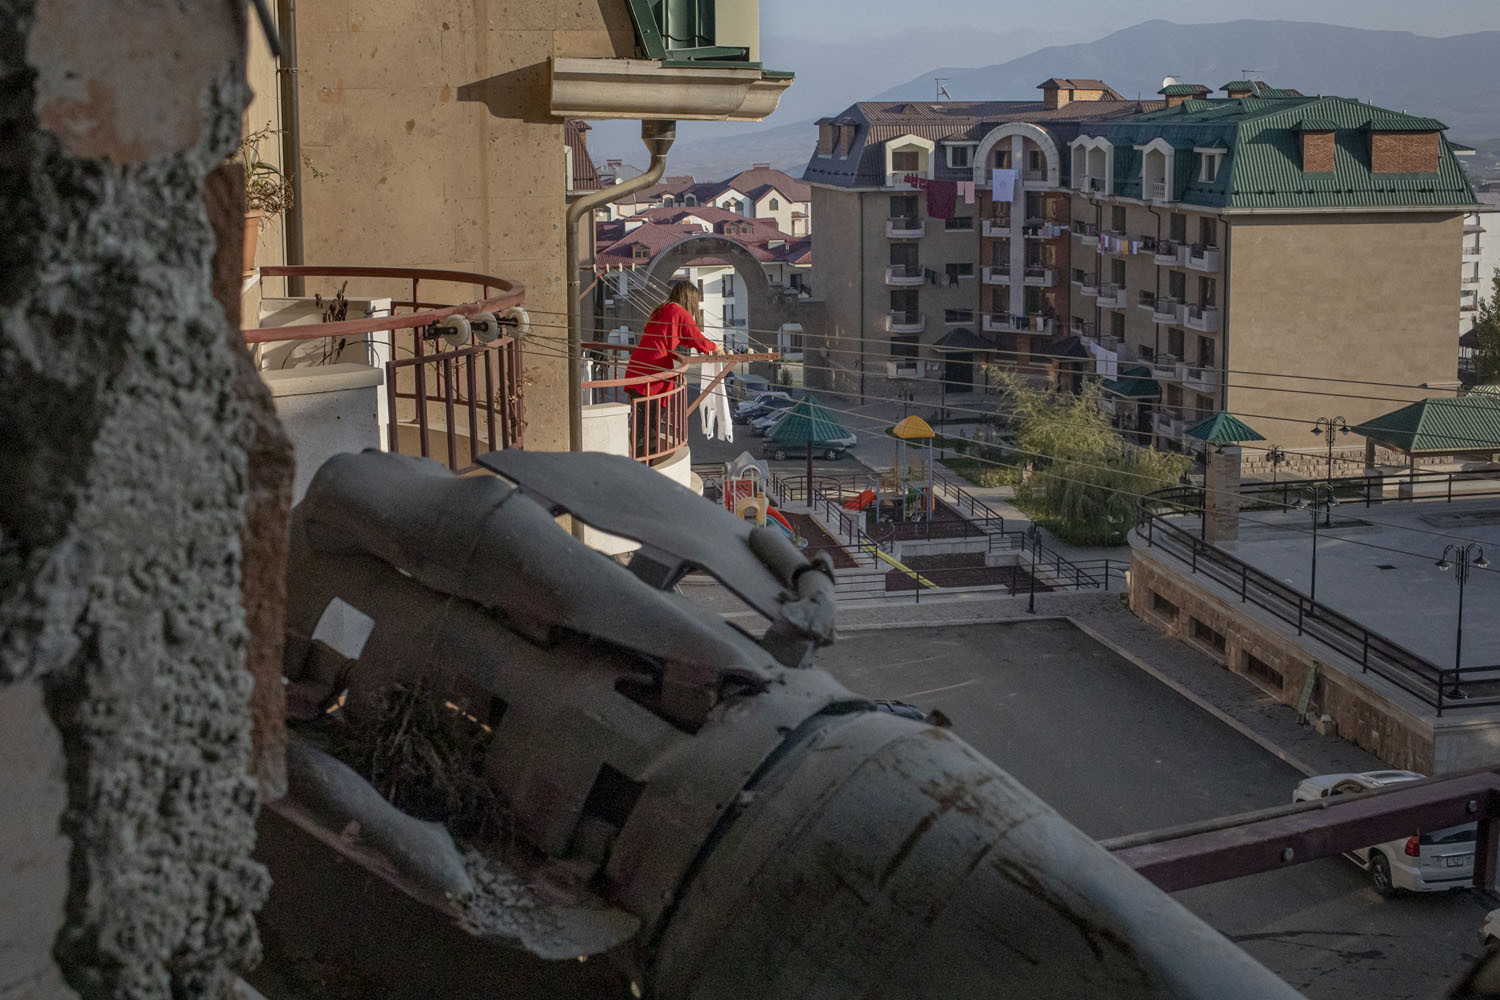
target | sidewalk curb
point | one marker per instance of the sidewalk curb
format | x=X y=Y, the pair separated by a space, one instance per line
x=1264 y=742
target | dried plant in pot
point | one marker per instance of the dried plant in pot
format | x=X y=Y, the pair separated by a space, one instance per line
x=268 y=191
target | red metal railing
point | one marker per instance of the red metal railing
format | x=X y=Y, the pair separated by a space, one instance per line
x=659 y=422
x=475 y=388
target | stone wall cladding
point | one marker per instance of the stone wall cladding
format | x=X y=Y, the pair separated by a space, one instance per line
x=1403 y=152
x=122 y=487
x=1364 y=718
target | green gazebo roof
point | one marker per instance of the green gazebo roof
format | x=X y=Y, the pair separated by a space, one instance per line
x=1441 y=425
x=1223 y=428
x=1134 y=383
x=807 y=420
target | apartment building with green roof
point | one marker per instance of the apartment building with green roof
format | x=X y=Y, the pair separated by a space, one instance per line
x=1274 y=255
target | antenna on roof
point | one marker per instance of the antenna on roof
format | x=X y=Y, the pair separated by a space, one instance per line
x=942 y=91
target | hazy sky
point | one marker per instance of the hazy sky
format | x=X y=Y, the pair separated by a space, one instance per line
x=1085 y=20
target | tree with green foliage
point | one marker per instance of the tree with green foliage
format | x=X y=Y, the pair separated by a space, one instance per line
x=1085 y=476
x=1487 y=331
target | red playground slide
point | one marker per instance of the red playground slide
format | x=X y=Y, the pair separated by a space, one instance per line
x=860 y=502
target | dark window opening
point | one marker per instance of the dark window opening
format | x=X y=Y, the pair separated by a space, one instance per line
x=1162 y=606
x=1208 y=635
x=1263 y=672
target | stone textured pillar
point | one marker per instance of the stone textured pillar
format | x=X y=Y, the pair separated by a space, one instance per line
x=123 y=484
x=1221 y=481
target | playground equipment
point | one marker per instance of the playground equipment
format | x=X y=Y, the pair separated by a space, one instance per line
x=745 y=497
x=865 y=498
x=913 y=484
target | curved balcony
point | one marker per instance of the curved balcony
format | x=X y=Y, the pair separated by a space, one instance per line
x=1166 y=310
x=904 y=275
x=1088 y=233
x=1089 y=286
x=1203 y=258
x=1169 y=254
x=453 y=388
x=1111 y=296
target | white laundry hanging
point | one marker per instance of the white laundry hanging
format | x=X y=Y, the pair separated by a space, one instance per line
x=715 y=407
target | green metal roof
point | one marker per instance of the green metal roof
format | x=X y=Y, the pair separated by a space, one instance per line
x=1182 y=89
x=1317 y=125
x=1264 y=167
x=1223 y=428
x=1389 y=121
x=807 y=420
x=1134 y=383
x=1441 y=425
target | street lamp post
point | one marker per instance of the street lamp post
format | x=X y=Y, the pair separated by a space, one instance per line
x=1031 y=601
x=1332 y=426
x=1315 y=497
x=1275 y=456
x=1459 y=558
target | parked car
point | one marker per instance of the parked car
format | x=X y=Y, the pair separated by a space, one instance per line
x=745 y=387
x=771 y=407
x=762 y=425
x=830 y=450
x=758 y=400
x=1429 y=861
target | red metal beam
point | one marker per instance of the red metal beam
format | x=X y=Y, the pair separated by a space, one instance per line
x=1255 y=843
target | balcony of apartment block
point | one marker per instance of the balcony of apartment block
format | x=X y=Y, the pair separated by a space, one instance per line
x=1111 y=296
x=1201 y=257
x=996 y=226
x=1473 y=227
x=1169 y=254
x=904 y=321
x=995 y=274
x=1168 y=425
x=904 y=275
x=1204 y=319
x=433 y=375
x=1164 y=367
x=1113 y=244
x=1200 y=378
x=903 y=368
x=1006 y=323
x=1038 y=275
x=1092 y=185
x=1156 y=190
x=1088 y=285
x=1469 y=280
x=1087 y=233
x=1165 y=309
x=1471 y=248
x=904 y=227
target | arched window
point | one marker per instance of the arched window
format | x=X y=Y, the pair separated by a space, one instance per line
x=775 y=204
x=690 y=199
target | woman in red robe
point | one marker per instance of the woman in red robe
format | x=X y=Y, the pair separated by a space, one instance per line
x=671 y=328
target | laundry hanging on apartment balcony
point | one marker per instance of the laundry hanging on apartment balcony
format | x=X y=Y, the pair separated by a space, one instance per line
x=715 y=408
x=966 y=189
x=942 y=199
x=1003 y=184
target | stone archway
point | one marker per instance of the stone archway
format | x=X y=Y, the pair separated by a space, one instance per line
x=770 y=308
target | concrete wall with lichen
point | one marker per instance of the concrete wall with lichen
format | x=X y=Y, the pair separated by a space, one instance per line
x=123 y=479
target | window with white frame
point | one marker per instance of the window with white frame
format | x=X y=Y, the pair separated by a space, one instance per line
x=775 y=204
x=1209 y=167
x=960 y=155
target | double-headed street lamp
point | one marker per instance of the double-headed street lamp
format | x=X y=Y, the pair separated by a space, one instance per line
x=1319 y=496
x=1459 y=558
x=1333 y=426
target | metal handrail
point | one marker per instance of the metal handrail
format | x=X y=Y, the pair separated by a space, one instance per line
x=1375 y=653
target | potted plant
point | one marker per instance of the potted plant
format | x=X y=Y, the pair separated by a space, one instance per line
x=268 y=192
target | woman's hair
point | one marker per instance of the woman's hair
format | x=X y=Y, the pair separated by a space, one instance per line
x=686 y=294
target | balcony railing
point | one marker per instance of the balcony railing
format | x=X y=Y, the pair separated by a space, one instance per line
x=996 y=322
x=1168 y=425
x=1089 y=285
x=1471 y=249
x=995 y=227
x=449 y=403
x=1088 y=233
x=1169 y=254
x=1157 y=190
x=1111 y=296
x=1205 y=319
x=904 y=321
x=1203 y=258
x=903 y=368
x=904 y=275
x=1471 y=280
x=904 y=227
x=1038 y=275
x=1166 y=310
x=996 y=274
x=1201 y=379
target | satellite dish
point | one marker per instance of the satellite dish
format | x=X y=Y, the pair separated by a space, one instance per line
x=1168 y=81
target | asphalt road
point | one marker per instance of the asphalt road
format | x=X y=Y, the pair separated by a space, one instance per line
x=1116 y=752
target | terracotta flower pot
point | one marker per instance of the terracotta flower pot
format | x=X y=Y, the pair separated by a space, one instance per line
x=253 y=219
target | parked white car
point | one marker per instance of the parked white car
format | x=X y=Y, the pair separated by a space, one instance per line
x=759 y=399
x=1424 y=862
